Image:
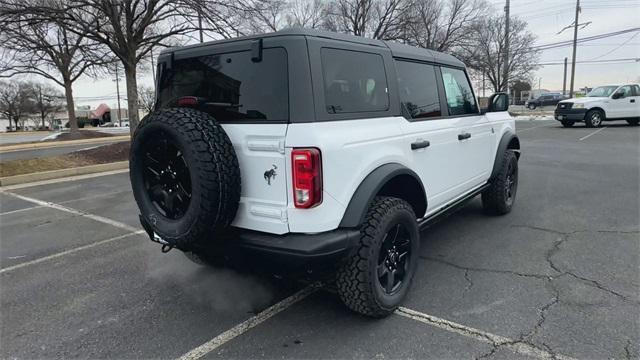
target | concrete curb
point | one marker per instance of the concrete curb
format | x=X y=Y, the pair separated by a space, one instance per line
x=55 y=174
x=45 y=145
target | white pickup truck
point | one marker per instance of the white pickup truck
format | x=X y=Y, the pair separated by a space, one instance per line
x=611 y=102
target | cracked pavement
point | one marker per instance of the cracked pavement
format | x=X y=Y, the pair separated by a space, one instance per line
x=559 y=277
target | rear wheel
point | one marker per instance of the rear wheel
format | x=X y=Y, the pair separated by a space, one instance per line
x=376 y=278
x=633 y=122
x=594 y=118
x=567 y=123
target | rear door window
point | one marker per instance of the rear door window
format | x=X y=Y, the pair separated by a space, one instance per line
x=231 y=86
x=418 y=90
x=460 y=99
x=353 y=81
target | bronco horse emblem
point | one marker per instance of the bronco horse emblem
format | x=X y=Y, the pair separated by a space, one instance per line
x=270 y=174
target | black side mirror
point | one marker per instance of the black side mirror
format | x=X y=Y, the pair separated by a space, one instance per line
x=498 y=102
x=617 y=95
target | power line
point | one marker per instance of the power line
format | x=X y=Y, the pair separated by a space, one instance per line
x=617 y=47
x=603 y=61
x=585 y=39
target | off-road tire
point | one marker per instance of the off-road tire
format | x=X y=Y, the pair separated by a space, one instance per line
x=589 y=121
x=214 y=175
x=356 y=280
x=494 y=199
x=633 y=122
x=567 y=124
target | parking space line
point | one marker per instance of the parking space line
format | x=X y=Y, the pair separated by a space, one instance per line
x=593 y=133
x=67 y=252
x=248 y=324
x=87 y=215
x=65 y=179
x=495 y=340
x=20 y=210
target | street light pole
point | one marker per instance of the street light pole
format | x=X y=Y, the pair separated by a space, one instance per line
x=564 y=81
x=118 y=94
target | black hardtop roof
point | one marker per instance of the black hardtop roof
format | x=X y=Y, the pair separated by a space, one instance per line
x=397 y=49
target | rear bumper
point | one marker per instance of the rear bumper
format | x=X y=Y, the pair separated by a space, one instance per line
x=296 y=248
x=293 y=249
x=570 y=114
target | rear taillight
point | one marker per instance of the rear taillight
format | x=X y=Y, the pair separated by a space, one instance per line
x=188 y=101
x=307 y=177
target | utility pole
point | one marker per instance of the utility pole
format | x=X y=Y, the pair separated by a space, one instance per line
x=505 y=60
x=564 y=81
x=575 y=43
x=117 y=80
x=483 y=86
x=200 y=22
x=153 y=67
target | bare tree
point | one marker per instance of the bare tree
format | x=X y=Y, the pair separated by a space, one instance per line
x=43 y=46
x=130 y=29
x=147 y=98
x=47 y=101
x=485 y=50
x=443 y=25
x=306 y=13
x=16 y=101
x=377 y=19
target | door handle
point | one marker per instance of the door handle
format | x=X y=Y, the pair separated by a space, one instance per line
x=463 y=136
x=419 y=145
x=632 y=100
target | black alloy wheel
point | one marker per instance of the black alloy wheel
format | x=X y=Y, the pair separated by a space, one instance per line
x=166 y=176
x=394 y=259
x=510 y=184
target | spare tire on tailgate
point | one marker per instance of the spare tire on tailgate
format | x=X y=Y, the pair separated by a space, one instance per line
x=185 y=176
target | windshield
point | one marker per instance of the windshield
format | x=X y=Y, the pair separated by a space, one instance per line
x=602 y=91
x=234 y=87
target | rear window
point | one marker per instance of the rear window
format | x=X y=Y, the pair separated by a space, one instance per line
x=418 y=90
x=353 y=81
x=232 y=86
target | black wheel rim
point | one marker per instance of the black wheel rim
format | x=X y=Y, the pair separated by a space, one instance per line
x=510 y=184
x=394 y=259
x=166 y=176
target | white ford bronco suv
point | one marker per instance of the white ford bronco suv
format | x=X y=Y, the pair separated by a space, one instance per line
x=611 y=102
x=316 y=147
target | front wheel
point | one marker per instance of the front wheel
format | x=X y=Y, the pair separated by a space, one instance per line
x=375 y=279
x=567 y=123
x=594 y=118
x=499 y=197
x=532 y=106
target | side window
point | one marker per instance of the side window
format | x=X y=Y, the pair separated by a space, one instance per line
x=418 y=90
x=353 y=81
x=625 y=91
x=636 y=90
x=460 y=99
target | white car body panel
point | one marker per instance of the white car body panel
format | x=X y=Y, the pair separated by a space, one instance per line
x=352 y=149
x=263 y=203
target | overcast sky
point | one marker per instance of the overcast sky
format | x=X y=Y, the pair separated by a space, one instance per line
x=545 y=17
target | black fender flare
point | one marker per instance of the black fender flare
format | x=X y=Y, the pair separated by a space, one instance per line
x=370 y=187
x=507 y=138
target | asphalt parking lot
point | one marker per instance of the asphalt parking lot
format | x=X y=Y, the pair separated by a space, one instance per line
x=557 y=277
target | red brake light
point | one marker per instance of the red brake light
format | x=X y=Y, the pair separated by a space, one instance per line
x=188 y=101
x=307 y=177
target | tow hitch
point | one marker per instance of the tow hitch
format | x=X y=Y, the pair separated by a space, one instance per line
x=166 y=246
